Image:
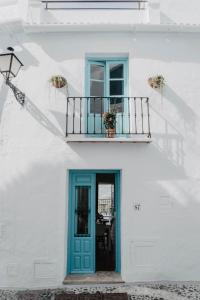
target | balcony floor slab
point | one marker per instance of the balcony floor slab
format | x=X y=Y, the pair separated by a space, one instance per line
x=78 y=139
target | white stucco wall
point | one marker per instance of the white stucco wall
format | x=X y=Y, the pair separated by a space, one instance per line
x=38 y=14
x=9 y=10
x=156 y=12
x=180 y=11
x=159 y=242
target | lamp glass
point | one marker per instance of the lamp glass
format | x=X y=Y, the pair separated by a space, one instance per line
x=16 y=65
x=9 y=65
x=5 y=62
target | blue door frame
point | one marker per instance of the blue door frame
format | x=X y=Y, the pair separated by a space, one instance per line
x=86 y=178
x=95 y=122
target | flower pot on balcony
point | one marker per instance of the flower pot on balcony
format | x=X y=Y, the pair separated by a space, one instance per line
x=110 y=123
x=110 y=132
x=58 y=81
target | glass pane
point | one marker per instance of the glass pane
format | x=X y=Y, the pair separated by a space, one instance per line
x=82 y=209
x=97 y=72
x=96 y=105
x=5 y=62
x=116 y=87
x=116 y=70
x=105 y=201
x=96 y=88
x=15 y=66
x=117 y=104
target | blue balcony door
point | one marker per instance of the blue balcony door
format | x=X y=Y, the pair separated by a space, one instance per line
x=107 y=87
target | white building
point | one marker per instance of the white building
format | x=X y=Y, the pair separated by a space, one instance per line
x=50 y=183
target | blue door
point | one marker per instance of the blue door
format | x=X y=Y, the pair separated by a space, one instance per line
x=82 y=223
x=107 y=87
x=83 y=215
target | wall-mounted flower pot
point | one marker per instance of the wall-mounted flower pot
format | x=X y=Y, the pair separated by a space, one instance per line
x=58 y=81
x=156 y=82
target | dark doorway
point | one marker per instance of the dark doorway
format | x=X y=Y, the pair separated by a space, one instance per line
x=105 y=222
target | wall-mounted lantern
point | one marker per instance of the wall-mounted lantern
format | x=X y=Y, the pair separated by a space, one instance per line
x=9 y=68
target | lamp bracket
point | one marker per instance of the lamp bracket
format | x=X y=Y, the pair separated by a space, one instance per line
x=19 y=95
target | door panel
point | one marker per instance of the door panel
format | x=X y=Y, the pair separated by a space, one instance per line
x=97 y=90
x=117 y=91
x=82 y=235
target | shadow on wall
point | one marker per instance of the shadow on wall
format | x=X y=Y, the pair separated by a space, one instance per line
x=28 y=58
x=186 y=113
x=61 y=119
x=18 y=42
x=59 y=47
x=67 y=90
x=44 y=16
x=3 y=96
x=170 y=146
x=40 y=191
x=41 y=118
x=164 y=19
x=37 y=114
x=70 y=90
x=170 y=142
x=155 y=172
x=73 y=46
x=168 y=47
x=47 y=16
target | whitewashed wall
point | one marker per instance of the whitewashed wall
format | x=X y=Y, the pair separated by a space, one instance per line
x=9 y=10
x=159 y=242
x=38 y=15
x=158 y=11
x=179 y=11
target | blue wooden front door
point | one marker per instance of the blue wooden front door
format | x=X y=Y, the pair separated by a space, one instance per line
x=107 y=87
x=82 y=223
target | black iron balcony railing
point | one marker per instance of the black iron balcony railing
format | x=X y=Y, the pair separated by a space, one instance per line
x=86 y=115
x=95 y=4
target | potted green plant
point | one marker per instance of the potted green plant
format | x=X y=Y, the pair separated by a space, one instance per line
x=58 y=81
x=109 y=120
x=156 y=82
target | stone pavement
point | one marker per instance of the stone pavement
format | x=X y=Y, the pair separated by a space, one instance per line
x=136 y=291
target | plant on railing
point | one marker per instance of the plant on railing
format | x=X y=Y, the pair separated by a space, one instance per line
x=109 y=120
x=156 y=82
x=58 y=81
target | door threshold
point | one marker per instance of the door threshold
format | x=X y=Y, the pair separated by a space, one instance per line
x=100 y=277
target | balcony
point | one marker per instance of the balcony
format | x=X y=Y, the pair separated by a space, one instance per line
x=85 y=119
x=95 y=4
